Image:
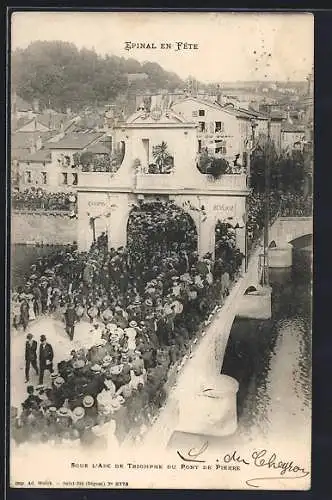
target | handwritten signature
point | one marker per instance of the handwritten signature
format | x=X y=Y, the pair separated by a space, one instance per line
x=259 y=458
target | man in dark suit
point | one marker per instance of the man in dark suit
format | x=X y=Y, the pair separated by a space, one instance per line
x=30 y=356
x=45 y=358
x=70 y=318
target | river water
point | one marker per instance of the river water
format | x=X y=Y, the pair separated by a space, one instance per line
x=271 y=359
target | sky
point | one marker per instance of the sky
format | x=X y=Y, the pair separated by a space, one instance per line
x=231 y=46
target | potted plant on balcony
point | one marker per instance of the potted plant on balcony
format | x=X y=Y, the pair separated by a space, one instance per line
x=203 y=161
x=85 y=160
x=162 y=157
x=217 y=168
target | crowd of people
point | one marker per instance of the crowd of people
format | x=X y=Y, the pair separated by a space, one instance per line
x=39 y=199
x=145 y=303
x=295 y=205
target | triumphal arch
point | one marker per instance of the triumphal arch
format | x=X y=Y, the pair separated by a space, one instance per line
x=105 y=199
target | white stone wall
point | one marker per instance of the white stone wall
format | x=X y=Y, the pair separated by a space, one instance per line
x=181 y=142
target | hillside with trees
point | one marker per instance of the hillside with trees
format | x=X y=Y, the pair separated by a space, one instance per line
x=60 y=75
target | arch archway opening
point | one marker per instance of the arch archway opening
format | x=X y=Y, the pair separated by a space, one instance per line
x=250 y=289
x=159 y=229
x=304 y=241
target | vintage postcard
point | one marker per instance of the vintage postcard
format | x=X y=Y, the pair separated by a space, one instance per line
x=161 y=250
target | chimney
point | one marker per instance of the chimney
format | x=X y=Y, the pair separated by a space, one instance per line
x=35 y=105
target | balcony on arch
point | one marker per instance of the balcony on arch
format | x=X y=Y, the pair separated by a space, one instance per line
x=161 y=155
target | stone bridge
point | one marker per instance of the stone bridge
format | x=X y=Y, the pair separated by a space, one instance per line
x=287 y=229
x=202 y=369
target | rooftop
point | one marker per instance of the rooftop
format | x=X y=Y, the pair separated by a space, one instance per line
x=52 y=120
x=157 y=117
x=21 y=140
x=99 y=148
x=227 y=108
x=292 y=127
x=43 y=155
x=77 y=140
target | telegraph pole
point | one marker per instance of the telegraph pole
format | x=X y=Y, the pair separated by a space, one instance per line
x=267 y=201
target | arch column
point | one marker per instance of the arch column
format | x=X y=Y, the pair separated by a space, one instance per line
x=206 y=236
x=117 y=222
x=84 y=233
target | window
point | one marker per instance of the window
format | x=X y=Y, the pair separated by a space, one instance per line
x=28 y=179
x=219 y=127
x=201 y=112
x=201 y=127
x=146 y=146
x=75 y=179
x=199 y=146
x=194 y=114
x=220 y=147
x=44 y=177
x=64 y=178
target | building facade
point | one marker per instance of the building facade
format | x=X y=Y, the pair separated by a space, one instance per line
x=226 y=128
x=292 y=137
x=53 y=168
x=107 y=198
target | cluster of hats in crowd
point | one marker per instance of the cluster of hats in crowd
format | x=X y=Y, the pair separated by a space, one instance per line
x=144 y=308
x=39 y=199
x=108 y=383
x=295 y=205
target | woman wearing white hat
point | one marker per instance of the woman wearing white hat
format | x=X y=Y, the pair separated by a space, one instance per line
x=131 y=334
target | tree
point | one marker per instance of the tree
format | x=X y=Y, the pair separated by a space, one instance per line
x=86 y=160
x=217 y=167
x=61 y=76
x=161 y=155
